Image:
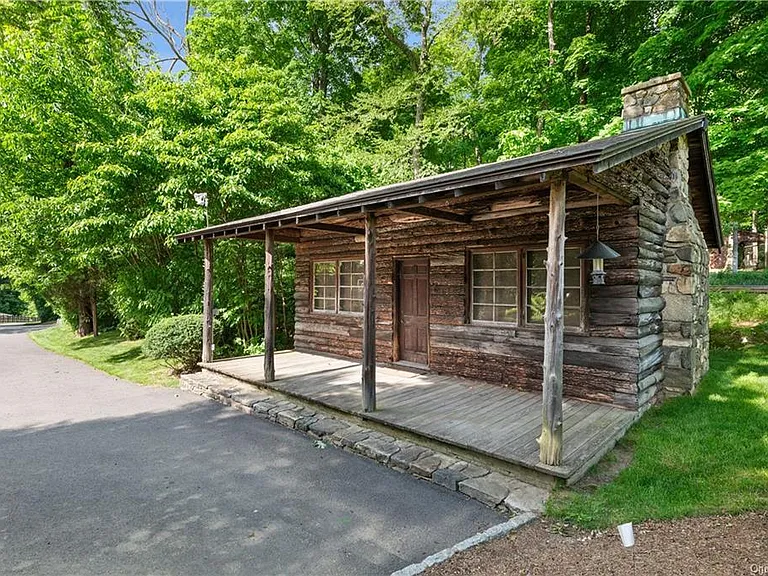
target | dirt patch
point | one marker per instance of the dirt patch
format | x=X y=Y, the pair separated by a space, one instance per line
x=712 y=545
x=606 y=470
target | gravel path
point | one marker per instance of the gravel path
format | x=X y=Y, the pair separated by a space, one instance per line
x=100 y=476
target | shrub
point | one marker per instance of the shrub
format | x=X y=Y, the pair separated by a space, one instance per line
x=177 y=340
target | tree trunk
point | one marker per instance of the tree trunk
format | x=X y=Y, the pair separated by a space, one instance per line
x=735 y=248
x=755 y=242
x=551 y=31
x=94 y=316
x=552 y=47
x=418 y=121
x=422 y=79
x=82 y=318
x=584 y=68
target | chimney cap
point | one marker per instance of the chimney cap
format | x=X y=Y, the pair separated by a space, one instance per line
x=669 y=78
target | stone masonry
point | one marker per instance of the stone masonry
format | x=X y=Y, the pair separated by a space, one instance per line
x=489 y=487
x=658 y=100
x=685 y=285
x=685 y=270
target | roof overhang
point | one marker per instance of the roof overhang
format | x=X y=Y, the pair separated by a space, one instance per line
x=600 y=154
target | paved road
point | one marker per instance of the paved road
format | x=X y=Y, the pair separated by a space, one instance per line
x=100 y=476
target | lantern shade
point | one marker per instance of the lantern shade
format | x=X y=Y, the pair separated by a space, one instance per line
x=598 y=250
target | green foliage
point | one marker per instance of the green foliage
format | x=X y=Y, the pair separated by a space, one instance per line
x=693 y=456
x=177 y=340
x=740 y=278
x=289 y=102
x=10 y=300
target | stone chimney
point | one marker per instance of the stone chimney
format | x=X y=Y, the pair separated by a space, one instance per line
x=658 y=100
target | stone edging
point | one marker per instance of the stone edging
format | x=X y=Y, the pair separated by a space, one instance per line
x=480 y=538
x=489 y=487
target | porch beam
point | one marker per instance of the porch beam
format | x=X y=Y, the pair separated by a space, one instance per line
x=591 y=185
x=369 y=315
x=437 y=214
x=534 y=209
x=207 y=355
x=328 y=227
x=551 y=439
x=269 y=307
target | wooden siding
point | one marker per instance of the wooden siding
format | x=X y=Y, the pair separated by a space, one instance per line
x=620 y=346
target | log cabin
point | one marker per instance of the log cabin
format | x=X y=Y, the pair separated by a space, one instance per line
x=494 y=273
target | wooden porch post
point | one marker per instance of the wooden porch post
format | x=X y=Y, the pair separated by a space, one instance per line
x=369 y=316
x=551 y=439
x=269 y=307
x=207 y=300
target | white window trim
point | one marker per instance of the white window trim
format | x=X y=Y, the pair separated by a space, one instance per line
x=522 y=289
x=337 y=287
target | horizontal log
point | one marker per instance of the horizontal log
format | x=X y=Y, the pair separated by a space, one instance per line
x=652 y=225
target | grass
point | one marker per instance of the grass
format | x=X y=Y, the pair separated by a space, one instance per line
x=693 y=455
x=109 y=353
x=740 y=278
x=738 y=319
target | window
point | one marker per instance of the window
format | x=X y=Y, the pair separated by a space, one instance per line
x=337 y=286
x=324 y=296
x=494 y=286
x=536 y=287
x=351 y=285
x=497 y=275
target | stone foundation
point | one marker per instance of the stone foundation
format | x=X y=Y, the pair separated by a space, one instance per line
x=493 y=488
x=685 y=285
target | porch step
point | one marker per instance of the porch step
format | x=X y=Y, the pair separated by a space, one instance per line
x=491 y=487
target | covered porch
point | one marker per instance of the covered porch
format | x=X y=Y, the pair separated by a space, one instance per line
x=464 y=415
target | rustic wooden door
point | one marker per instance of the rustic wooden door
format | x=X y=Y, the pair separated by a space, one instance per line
x=413 y=310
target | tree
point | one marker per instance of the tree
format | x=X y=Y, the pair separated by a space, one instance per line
x=65 y=71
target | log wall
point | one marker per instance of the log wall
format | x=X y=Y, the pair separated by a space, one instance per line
x=619 y=349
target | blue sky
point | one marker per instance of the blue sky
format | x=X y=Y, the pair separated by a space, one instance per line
x=171 y=10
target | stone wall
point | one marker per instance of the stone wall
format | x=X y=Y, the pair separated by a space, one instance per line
x=685 y=285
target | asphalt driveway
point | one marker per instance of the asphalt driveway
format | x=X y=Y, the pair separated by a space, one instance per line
x=100 y=476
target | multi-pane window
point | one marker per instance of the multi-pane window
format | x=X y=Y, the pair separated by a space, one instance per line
x=351 y=285
x=536 y=287
x=497 y=276
x=324 y=296
x=337 y=286
x=494 y=286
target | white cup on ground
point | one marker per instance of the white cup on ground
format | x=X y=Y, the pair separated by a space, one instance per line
x=627 y=534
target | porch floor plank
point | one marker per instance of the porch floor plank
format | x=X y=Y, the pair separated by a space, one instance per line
x=499 y=422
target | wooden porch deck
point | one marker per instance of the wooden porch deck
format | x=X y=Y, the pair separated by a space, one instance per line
x=500 y=423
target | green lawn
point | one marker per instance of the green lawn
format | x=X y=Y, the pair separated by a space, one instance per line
x=110 y=353
x=693 y=455
x=738 y=319
x=740 y=278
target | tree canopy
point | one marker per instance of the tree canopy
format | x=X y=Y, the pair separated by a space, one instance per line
x=287 y=102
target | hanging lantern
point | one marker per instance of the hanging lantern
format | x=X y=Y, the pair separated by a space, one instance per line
x=598 y=253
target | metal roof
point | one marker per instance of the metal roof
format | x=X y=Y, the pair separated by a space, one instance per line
x=601 y=154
